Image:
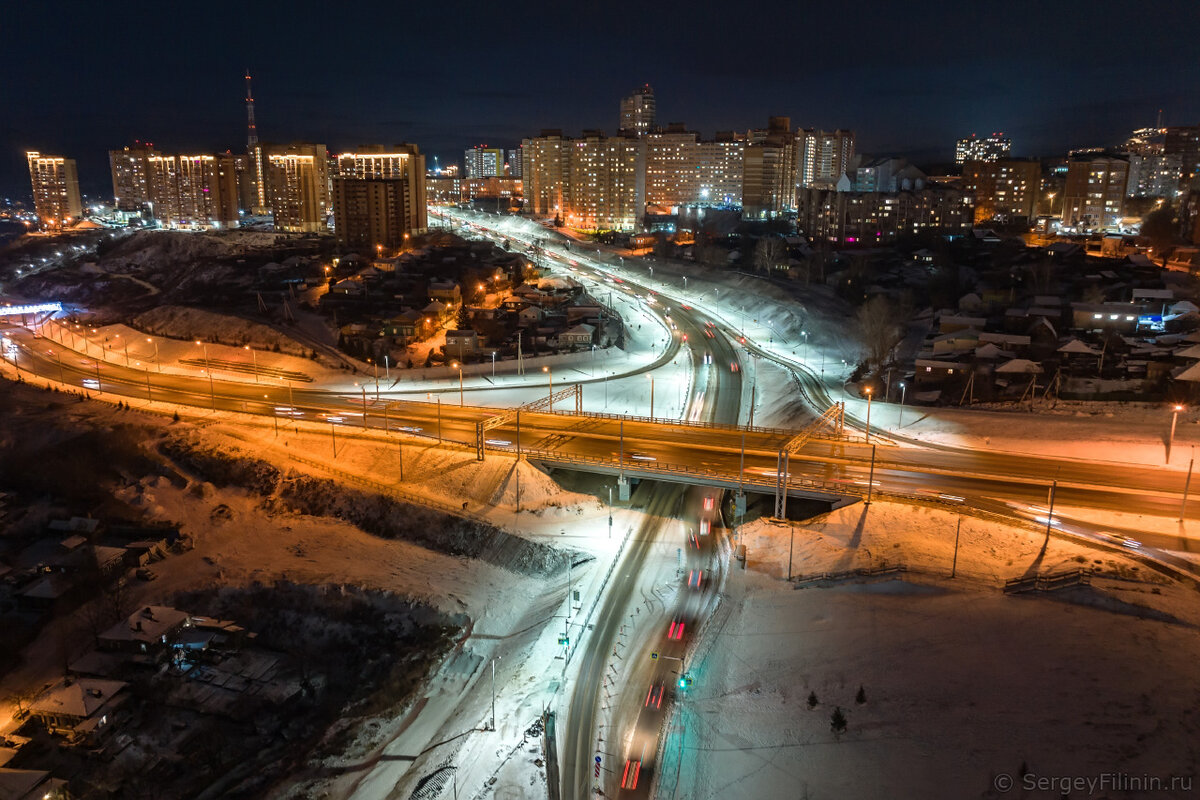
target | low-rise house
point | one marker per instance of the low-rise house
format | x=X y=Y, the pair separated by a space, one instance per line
x=1098 y=316
x=30 y=784
x=149 y=630
x=579 y=336
x=81 y=709
x=461 y=343
x=445 y=291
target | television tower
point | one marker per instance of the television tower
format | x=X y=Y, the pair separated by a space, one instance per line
x=251 y=129
x=254 y=150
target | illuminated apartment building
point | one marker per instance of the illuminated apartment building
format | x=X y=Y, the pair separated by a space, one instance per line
x=513 y=163
x=1004 y=190
x=606 y=185
x=544 y=170
x=638 y=112
x=484 y=162
x=55 y=189
x=1094 y=192
x=989 y=148
x=822 y=157
x=682 y=171
x=298 y=177
x=131 y=177
x=386 y=186
x=593 y=182
x=847 y=217
x=769 y=171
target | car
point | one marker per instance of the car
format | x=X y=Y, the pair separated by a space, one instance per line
x=410 y=429
x=704 y=527
x=733 y=367
x=498 y=442
x=642 y=457
x=1133 y=544
x=695 y=578
x=695 y=542
x=654 y=696
x=708 y=503
x=675 y=632
x=629 y=777
x=145 y=574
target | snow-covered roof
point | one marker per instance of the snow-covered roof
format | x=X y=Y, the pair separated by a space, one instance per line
x=1191 y=374
x=1190 y=352
x=1184 y=307
x=1021 y=366
x=990 y=352
x=1077 y=347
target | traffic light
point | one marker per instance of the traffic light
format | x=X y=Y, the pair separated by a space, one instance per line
x=685 y=681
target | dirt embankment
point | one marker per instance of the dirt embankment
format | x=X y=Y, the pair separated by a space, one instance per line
x=386 y=517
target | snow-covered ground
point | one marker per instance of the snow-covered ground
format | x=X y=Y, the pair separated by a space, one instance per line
x=965 y=687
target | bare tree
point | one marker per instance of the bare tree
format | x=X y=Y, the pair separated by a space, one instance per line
x=768 y=253
x=878 y=325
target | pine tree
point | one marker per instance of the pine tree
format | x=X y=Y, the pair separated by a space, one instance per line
x=837 y=721
x=861 y=697
x=812 y=700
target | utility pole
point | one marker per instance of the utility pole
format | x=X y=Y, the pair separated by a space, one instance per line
x=439 y=404
x=871 y=476
x=1186 y=484
x=954 y=564
x=1050 y=515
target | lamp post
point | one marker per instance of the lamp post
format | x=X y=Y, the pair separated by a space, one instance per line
x=458 y=366
x=903 y=390
x=212 y=395
x=651 y=397
x=550 y=383
x=157 y=363
x=254 y=359
x=869 y=413
x=1171 y=440
x=493 y=364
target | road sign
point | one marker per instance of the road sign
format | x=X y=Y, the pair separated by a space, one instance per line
x=597 y=759
x=563 y=640
x=654 y=655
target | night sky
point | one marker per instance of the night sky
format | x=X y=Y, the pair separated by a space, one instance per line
x=908 y=78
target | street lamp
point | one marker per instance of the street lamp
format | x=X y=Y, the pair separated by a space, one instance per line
x=458 y=366
x=903 y=390
x=868 y=413
x=254 y=357
x=212 y=396
x=156 y=361
x=1174 y=419
x=550 y=380
x=651 y=377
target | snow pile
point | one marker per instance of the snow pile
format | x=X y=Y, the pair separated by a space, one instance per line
x=180 y=322
x=154 y=248
x=537 y=490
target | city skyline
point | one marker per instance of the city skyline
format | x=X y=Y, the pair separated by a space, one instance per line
x=957 y=78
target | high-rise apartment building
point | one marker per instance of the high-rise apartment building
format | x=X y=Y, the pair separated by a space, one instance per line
x=131 y=177
x=1004 y=190
x=298 y=177
x=873 y=217
x=545 y=171
x=682 y=171
x=379 y=196
x=822 y=157
x=987 y=148
x=195 y=192
x=1157 y=175
x=512 y=162
x=593 y=182
x=606 y=186
x=55 y=189
x=1184 y=142
x=769 y=171
x=1094 y=191
x=638 y=112
x=484 y=162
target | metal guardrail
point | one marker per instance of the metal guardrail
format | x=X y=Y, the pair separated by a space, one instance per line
x=850 y=574
x=1049 y=582
x=678 y=423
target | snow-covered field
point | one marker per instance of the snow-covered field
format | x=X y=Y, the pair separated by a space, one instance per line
x=963 y=684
